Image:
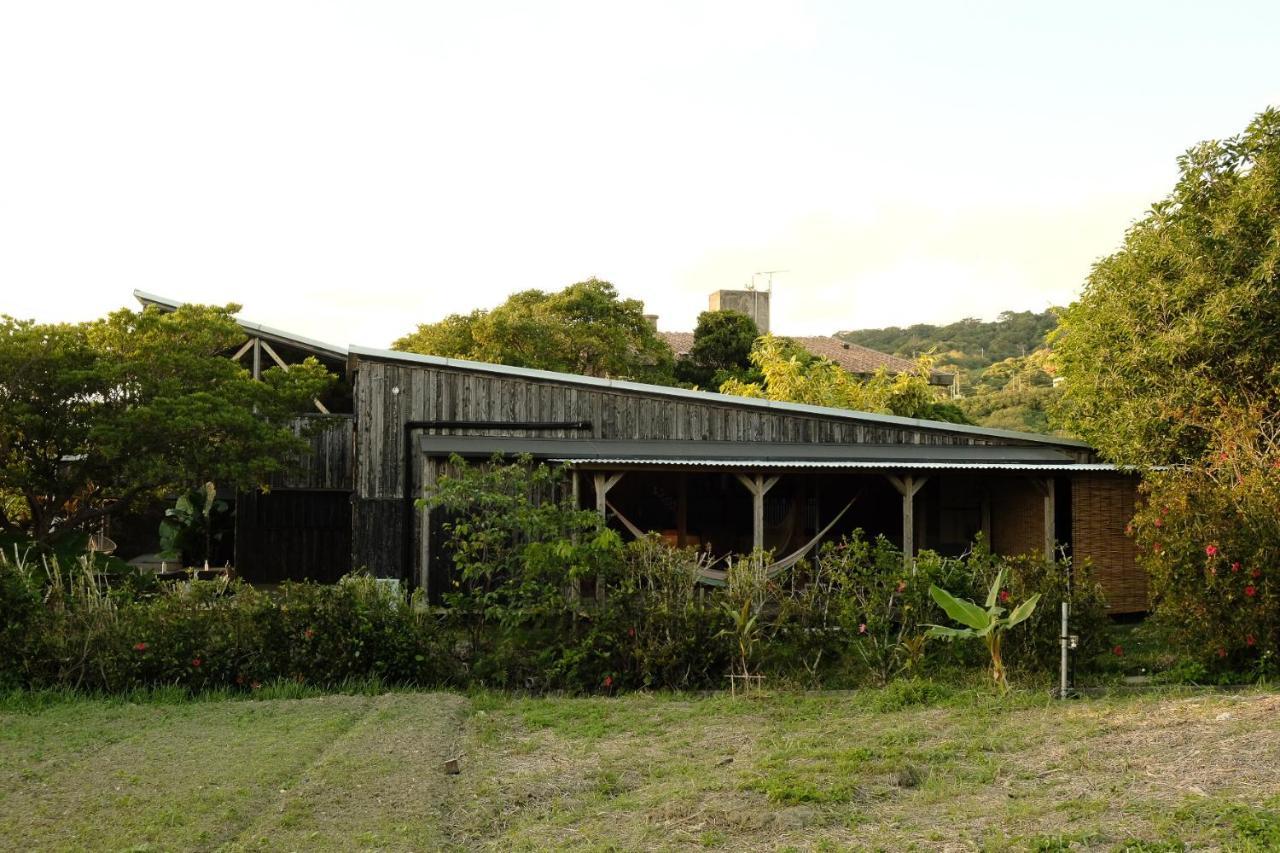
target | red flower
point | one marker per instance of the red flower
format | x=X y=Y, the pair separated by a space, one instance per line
x=196 y=662
x=608 y=681
x=1211 y=550
x=1250 y=640
x=1256 y=573
x=862 y=628
x=1159 y=522
x=1222 y=653
x=1251 y=590
x=139 y=647
x=1004 y=595
x=256 y=685
x=1157 y=548
x=1235 y=567
x=308 y=633
x=902 y=585
x=1118 y=651
x=1128 y=530
x=631 y=632
x=239 y=679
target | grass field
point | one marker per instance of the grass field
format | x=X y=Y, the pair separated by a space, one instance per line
x=915 y=766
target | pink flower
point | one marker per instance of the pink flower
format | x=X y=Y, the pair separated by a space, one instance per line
x=1118 y=651
x=1128 y=530
x=1251 y=590
x=902 y=586
x=1222 y=653
x=1004 y=595
x=1159 y=522
x=1235 y=567
x=1211 y=550
x=1250 y=640
x=139 y=647
x=631 y=632
x=608 y=681
x=1256 y=573
x=862 y=628
x=308 y=633
x=196 y=662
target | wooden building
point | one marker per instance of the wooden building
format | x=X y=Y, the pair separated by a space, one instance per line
x=726 y=473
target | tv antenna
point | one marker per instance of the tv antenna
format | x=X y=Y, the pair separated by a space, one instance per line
x=768 y=285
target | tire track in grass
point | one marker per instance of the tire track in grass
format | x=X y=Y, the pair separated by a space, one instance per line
x=181 y=783
x=380 y=786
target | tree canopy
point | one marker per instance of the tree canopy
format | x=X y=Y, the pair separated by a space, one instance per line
x=586 y=328
x=1175 y=334
x=721 y=349
x=791 y=374
x=95 y=415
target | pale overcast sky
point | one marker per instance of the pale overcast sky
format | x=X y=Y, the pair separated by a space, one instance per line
x=346 y=170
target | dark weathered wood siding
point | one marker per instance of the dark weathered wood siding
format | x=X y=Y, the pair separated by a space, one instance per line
x=427 y=392
x=293 y=535
x=330 y=463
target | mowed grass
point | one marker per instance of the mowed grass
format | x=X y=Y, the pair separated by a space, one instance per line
x=916 y=766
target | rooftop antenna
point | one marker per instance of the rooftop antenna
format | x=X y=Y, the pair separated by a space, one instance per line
x=768 y=286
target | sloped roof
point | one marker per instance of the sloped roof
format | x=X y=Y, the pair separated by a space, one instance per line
x=852 y=357
x=359 y=352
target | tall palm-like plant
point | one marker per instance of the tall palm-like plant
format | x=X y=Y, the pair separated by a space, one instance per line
x=988 y=624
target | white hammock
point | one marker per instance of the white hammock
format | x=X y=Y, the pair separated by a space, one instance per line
x=717 y=577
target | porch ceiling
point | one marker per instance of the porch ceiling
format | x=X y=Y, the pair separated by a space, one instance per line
x=737 y=454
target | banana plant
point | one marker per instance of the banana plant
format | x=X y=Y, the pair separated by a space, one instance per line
x=987 y=624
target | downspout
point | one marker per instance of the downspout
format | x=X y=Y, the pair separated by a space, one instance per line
x=410 y=427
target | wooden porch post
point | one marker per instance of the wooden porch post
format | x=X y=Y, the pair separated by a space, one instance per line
x=759 y=486
x=682 y=511
x=603 y=483
x=429 y=472
x=907 y=486
x=1046 y=488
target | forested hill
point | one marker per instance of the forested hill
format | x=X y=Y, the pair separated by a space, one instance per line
x=970 y=343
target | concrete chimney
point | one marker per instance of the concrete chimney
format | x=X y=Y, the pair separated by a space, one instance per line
x=753 y=303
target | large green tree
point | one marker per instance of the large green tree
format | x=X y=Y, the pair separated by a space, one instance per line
x=585 y=328
x=1171 y=361
x=1180 y=327
x=96 y=415
x=721 y=349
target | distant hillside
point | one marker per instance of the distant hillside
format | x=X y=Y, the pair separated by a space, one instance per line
x=1005 y=370
x=970 y=343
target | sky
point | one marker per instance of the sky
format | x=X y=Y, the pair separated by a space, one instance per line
x=348 y=170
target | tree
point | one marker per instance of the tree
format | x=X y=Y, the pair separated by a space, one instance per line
x=790 y=374
x=1178 y=328
x=721 y=349
x=1171 y=358
x=585 y=329
x=96 y=415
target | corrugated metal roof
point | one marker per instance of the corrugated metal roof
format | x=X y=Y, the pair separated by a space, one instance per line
x=708 y=396
x=851 y=463
x=677 y=450
x=257 y=329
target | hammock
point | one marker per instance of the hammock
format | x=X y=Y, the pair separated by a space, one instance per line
x=717 y=577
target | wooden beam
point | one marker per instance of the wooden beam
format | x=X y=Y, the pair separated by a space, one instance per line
x=907 y=486
x=429 y=474
x=682 y=511
x=759 y=487
x=244 y=349
x=257 y=358
x=1050 y=518
x=603 y=483
x=277 y=359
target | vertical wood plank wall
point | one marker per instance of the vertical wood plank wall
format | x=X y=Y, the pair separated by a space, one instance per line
x=388 y=394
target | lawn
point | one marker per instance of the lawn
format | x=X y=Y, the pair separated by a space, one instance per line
x=915 y=766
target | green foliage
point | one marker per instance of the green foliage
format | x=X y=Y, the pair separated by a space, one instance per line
x=969 y=343
x=1171 y=359
x=791 y=375
x=95 y=415
x=721 y=350
x=65 y=627
x=190 y=527
x=1176 y=331
x=584 y=328
x=987 y=622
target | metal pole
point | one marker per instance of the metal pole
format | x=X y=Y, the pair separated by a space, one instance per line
x=1065 y=640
